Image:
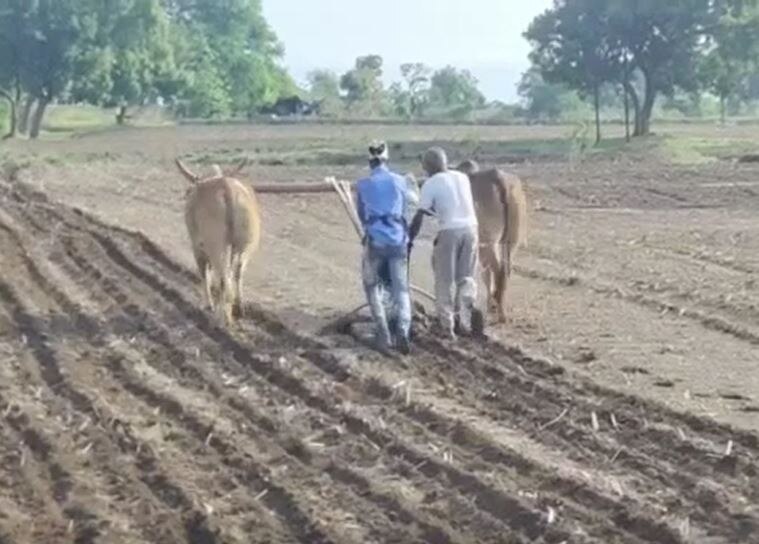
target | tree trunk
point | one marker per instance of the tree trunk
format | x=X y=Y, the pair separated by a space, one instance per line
x=647 y=112
x=12 y=117
x=597 y=106
x=648 y=107
x=24 y=114
x=122 y=115
x=723 y=108
x=39 y=114
x=627 y=113
x=632 y=93
x=625 y=90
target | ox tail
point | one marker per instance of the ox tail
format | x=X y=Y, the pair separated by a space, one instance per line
x=256 y=221
x=516 y=217
x=503 y=261
x=227 y=250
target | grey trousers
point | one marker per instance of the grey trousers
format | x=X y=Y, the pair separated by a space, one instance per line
x=454 y=262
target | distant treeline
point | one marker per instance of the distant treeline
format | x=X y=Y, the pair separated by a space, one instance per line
x=635 y=51
x=199 y=57
x=631 y=60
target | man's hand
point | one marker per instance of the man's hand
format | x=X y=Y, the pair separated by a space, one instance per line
x=416 y=226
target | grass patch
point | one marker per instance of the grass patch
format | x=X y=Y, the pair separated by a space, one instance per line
x=699 y=150
x=5 y=121
x=64 y=121
x=344 y=151
x=306 y=155
x=69 y=119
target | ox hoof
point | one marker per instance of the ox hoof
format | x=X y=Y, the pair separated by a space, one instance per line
x=478 y=323
x=237 y=311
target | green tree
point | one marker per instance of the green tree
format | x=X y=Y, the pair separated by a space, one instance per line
x=130 y=53
x=652 y=47
x=218 y=57
x=455 y=90
x=400 y=98
x=203 y=91
x=235 y=48
x=726 y=67
x=363 y=84
x=571 y=46
x=324 y=88
x=410 y=97
x=664 y=42
x=14 y=38
x=546 y=101
x=45 y=43
x=416 y=76
x=323 y=84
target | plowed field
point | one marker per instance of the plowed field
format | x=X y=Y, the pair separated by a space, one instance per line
x=127 y=415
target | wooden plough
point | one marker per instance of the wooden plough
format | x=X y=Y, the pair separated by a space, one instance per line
x=344 y=190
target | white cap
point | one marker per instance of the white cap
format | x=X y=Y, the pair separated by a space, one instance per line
x=378 y=150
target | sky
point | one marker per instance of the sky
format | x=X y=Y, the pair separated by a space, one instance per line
x=483 y=36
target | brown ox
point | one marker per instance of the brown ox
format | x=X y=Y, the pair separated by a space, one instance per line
x=501 y=208
x=224 y=225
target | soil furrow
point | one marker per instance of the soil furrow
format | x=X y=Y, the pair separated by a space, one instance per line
x=82 y=523
x=484 y=442
x=27 y=493
x=698 y=453
x=50 y=372
x=625 y=521
x=691 y=485
x=511 y=510
x=159 y=335
x=708 y=321
x=98 y=340
x=176 y=359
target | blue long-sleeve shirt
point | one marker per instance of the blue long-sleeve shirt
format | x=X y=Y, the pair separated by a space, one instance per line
x=382 y=204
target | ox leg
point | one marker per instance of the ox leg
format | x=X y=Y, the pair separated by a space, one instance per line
x=239 y=263
x=502 y=283
x=206 y=278
x=221 y=266
x=225 y=302
x=489 y=263
x=208 y=284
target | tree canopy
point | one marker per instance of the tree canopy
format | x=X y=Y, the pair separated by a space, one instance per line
x=456 y=89
x=649 y=48
x=204 y=56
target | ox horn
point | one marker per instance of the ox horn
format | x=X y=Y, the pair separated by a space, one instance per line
x=192 y=178
x=239 y=168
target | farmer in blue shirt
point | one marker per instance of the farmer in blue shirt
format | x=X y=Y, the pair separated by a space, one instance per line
x=382 y=203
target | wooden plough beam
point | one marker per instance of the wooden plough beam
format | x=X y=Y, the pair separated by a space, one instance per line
x=285 y=188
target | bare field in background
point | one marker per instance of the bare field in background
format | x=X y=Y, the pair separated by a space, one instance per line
x=619 y=404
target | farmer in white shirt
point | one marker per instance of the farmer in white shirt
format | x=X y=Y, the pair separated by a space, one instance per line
x=447 y=195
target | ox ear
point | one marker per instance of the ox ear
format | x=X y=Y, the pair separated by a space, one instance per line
x=237 y=169
x=192 y=178
x=476 y=153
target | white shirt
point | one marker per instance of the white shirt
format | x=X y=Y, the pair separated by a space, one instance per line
x=448 y=195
